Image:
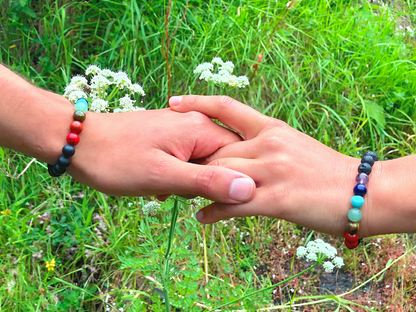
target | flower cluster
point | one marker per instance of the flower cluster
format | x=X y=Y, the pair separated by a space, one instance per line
x=102 y=88
x=224 y=75
x=318 y=250
x=50 y=265
x=151 y=207
x=6 y=212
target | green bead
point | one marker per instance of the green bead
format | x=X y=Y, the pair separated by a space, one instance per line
x=81 y=106
x=355 y=215
x=357 y=201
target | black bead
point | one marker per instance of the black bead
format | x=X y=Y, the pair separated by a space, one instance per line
x=51 y=172
x=68 y=150
x=63 y=162
x=58 y=169
x=364 y=167
x=372 y=154
x=367 y=159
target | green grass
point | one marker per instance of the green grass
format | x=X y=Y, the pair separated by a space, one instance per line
x=336 y=70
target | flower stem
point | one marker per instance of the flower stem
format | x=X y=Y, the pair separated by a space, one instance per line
x=264 y=289
x=175 y=213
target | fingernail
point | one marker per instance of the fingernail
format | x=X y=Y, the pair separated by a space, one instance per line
x=241 y=189
x=199 y=215
x=175 y=100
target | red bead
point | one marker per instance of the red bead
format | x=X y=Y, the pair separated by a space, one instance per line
x=76 y=126
x=351 y=237
x=351 y=245
x=72 y=138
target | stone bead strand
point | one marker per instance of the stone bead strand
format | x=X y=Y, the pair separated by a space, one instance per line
x=357 y=201
x=75 y=128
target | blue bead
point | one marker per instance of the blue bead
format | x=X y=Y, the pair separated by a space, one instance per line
x=81 y=105
x=357 y=201
x=82 y=100
x=360 y=189
x=355 y=215
x=68 y=150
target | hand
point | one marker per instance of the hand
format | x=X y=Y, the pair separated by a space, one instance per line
x=298 y=178
x=146 y=153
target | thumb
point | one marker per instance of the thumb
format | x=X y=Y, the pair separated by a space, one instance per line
x=216 y=183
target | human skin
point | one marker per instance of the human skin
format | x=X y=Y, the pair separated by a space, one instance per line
x=129 y=154
x=300 y=179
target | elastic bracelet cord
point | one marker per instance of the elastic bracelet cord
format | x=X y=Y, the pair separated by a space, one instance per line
x=63 y=162
x=354 y=214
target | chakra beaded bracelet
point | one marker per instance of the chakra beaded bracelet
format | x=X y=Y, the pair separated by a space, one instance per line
x=76 y=127
x=354 y=214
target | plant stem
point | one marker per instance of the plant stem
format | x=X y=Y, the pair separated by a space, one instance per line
x=166 y=272
x=264 y=289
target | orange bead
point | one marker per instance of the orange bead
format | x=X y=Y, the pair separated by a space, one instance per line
x=76 y=127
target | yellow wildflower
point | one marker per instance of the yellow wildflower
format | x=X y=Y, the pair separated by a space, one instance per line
x=50 y=265
x=6 y=212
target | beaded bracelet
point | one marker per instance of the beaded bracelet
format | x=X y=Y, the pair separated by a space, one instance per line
x=354 y=214
x=63 y=162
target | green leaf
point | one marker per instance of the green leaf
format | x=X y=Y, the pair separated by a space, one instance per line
x=375 y=112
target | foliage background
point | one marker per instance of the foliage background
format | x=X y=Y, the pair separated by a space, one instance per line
x=341 y=71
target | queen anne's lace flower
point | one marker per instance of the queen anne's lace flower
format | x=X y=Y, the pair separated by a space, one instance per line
x=122 y=80
x=224 y=75
x=98 y=105
x=151 y=207
x=99 y=82
x=107 y=73
x=203 y=67
x=78 y=80
x=318 y=250
x=136 y=88
x=75 y=95
x=127 y=103
x=92 y=70
x=328 y=266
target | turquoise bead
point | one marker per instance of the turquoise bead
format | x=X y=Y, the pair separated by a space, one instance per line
x=355 y=215
x=357 y=201
x=81 y=105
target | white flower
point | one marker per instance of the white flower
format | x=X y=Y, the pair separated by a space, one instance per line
x=92 y=69
x=99 y=82
x=328 y=266
x=151 y=207
x=75 y=95
x=301 y=252
x=318 y=250
x=98 y=105
x=118 y=110
x=202 y=67
x=233 y=81
x=127 y=103
x=338 y=262
x=206 y=75
x=228 y=66
x=107 y=73
x=136 y=88
x=69 y=89
x=311 y=256
x=78 y=80
x=122 y=80
x=217 y=60
x=243 y=82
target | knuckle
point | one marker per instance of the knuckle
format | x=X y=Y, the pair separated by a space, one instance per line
x=227 y=102
x=197 y=118
x=191 y=100
x=205 y=180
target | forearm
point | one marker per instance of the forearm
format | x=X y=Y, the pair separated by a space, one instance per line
x=392 y=197
x=32 y=121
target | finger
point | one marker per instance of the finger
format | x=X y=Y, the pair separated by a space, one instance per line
x=216 y=212
x=232 y=113
x=244 y=149
x=215 y=183
x=163 y=197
